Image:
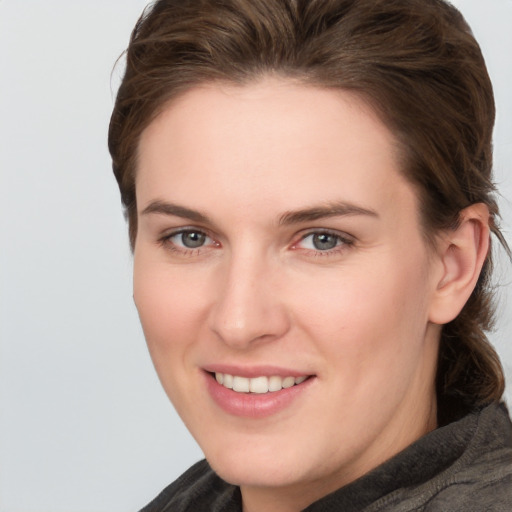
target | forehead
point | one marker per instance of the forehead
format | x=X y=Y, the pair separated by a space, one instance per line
x=274 y=144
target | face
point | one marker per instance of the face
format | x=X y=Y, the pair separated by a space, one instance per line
x=283 y=283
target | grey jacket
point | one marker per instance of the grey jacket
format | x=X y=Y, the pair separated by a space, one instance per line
x=465 y=466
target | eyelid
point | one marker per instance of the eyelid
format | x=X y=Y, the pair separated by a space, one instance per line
x=345 y=239
x=166 y=239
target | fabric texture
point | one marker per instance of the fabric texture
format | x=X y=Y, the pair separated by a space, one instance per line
x=465 y=466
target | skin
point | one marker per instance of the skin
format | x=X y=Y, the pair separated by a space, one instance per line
x=357 y=317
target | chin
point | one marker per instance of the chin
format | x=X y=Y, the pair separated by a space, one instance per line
x=247 y=474
x=258 y=467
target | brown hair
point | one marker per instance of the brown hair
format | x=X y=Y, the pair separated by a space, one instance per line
x=414 y=61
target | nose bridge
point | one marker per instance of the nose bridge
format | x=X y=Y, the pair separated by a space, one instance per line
x=247 y=307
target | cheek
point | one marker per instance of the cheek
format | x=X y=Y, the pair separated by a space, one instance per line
x=170 y=311
x=169 y=307
x=370 y=315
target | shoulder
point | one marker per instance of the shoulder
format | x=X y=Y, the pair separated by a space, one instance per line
x=198 y=489
x=491 y=492
x=483 y=479
x=479 y=480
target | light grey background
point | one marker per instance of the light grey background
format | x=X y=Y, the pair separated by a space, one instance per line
x=84 y=425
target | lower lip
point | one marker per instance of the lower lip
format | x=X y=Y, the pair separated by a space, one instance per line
x=254 y=405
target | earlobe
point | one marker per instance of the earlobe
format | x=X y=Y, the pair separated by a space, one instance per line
x=462 y=254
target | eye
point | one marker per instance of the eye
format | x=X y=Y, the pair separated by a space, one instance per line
x=189 y=239
x=322 y=241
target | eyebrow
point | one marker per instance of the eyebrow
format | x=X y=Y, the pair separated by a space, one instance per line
x=175 y=210
x=335 y=209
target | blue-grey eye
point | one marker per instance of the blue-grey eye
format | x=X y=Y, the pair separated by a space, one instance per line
x=325 y=241
x=190 y=239
x=321 y=241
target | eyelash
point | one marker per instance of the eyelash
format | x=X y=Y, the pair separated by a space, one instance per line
x=167 y=242
x=342 y=242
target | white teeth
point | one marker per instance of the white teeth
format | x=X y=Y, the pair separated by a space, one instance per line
x=288 y=382
x=257 y=384
x=227 y=381
x=240 y=384
x=275 y=383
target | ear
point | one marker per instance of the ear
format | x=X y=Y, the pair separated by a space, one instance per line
x=461 y=254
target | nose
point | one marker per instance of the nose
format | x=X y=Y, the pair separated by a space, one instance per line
x=248 y=307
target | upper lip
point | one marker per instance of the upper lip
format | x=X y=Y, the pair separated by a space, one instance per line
x=254 y=371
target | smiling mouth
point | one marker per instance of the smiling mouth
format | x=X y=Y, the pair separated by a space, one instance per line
x=259 y=385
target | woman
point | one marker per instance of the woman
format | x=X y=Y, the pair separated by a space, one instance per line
x=309 y=195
